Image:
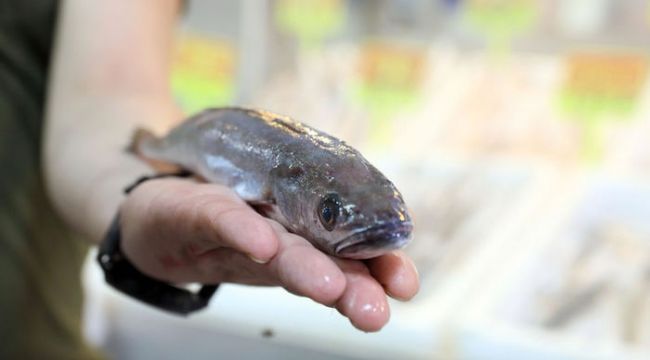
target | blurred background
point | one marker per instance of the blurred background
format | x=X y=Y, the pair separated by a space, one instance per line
x=519 y=134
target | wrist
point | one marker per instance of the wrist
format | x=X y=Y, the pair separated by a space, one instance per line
x=122 y=274
x=145 y=227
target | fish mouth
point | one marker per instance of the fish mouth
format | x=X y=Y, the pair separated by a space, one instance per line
x=375 y=240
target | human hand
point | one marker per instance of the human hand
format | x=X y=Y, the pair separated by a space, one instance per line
x=180 y=231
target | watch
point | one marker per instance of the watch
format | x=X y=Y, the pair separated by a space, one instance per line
x=125 y=277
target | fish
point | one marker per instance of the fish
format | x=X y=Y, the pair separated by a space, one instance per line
x=312 y=183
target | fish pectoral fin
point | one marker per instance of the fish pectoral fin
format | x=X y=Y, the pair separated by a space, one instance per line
x=263 y=207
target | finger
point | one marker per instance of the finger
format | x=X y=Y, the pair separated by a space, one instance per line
x=231 y=266
x=364 y=301
x=298 y=267
x=304 y=270
x=232 y=223
x=397 y=274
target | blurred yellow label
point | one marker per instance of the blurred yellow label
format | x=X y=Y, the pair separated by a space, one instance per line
x=311 y=21
x=601 y=86
x=390 y=80
x=203 y=72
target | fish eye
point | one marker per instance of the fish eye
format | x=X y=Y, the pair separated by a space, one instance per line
x=329 y=210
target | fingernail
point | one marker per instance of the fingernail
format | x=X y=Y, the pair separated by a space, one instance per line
x=259 y=261
x=398 y=298
x=415 y=268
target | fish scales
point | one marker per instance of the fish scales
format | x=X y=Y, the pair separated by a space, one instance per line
x=314 y=184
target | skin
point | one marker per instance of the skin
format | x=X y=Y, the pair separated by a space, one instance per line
x=110 y=76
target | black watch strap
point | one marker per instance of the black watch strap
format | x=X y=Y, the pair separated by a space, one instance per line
x=122 y=275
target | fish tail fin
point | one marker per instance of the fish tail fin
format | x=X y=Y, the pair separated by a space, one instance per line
x=144 y=145
x=139 y=140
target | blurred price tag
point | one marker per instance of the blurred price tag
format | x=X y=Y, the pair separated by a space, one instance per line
x=602 y=86
x=311 y=21
x=501 y=20
x=390 y=79
x=203 y=72
x=598 y=84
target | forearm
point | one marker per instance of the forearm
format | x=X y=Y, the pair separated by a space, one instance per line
x=110 y=75
x=88 y=167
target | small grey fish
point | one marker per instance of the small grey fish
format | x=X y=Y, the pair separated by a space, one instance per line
x=314 y=184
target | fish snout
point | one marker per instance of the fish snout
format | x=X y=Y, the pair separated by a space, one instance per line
x=375 y=241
